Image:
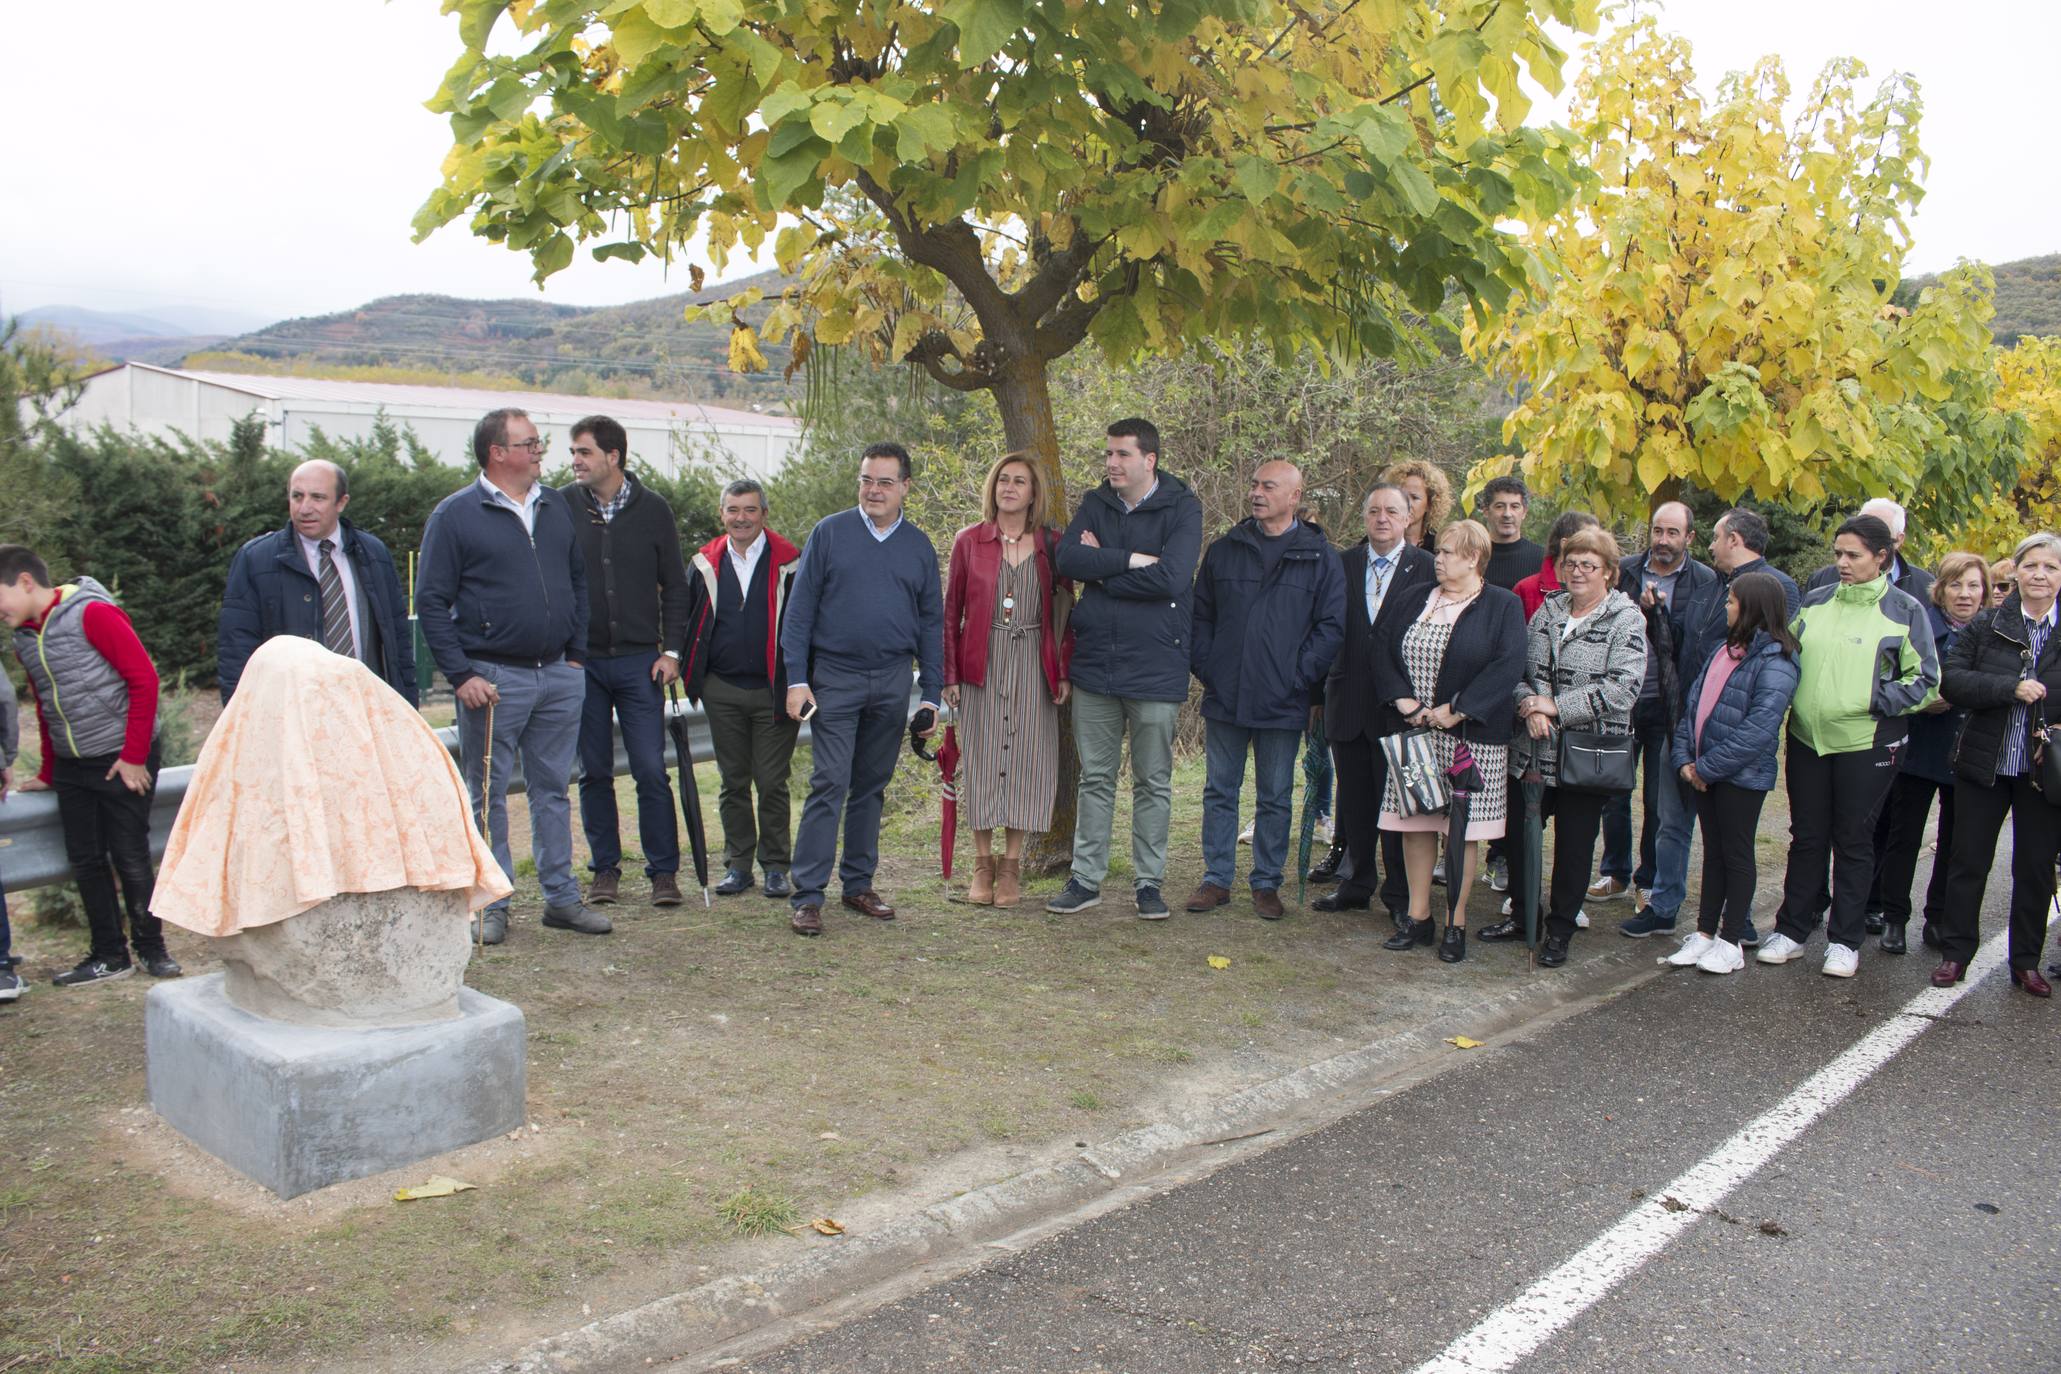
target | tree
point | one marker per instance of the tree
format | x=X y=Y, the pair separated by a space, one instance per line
x=2028 y=395
x=1719 y=313
x=977 y=186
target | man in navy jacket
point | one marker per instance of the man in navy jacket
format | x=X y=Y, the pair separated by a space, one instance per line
x=1131 y=550
x=1269 y=616
x=502 y=592
x=276 y=586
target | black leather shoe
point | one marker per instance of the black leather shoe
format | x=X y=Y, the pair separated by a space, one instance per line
x=1338 y=901
x=1875 y=921
x=736 y=880
x=1326 y=871
x=778 y=884
x=1510 y=929
x=1400 y=920
x=1553 y=951
x=1928 y=935
x=1418 y=933
x=1452 y=947
x=1893 y=938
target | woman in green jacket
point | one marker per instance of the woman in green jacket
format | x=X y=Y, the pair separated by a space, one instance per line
x=1867 y=662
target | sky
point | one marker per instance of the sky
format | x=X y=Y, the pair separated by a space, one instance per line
x=266 y=156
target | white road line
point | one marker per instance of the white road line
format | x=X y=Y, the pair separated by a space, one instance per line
x=1513 y=1331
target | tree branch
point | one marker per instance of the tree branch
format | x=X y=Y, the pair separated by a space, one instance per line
x=1057 y=274
x=953 y=251
x=930 y=352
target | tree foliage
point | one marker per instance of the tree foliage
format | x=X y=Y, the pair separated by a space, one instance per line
x=2028 y=390
x=977 y=186
x=1719 y=311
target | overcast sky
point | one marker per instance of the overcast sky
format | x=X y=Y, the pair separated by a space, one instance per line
x=266 y=156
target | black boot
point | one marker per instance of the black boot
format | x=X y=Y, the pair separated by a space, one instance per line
x=1893 y=938
x=1419 y=933
x=1326 y=870
x=1509 y=928
x=1340 y=900
x=1453 y=947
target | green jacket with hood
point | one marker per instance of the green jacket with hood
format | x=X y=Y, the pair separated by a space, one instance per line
x=1868 y=662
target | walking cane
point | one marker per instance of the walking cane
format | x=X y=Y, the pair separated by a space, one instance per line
x=486 y=784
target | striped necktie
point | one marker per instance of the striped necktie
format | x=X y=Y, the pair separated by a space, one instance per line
x=336 y=611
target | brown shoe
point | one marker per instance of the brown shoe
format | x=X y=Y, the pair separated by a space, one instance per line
x=606 y=889
x=981 y=891
x=807 y=920
x=665 y=889
x=1008 y=882
x=1267 y=902
x=869 y=902
x=1208 y=897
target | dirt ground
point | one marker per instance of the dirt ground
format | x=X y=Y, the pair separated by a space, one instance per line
x=695 y=1068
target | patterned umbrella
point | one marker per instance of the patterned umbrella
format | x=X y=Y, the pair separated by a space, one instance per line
x=1316 y=775
x=948 y=770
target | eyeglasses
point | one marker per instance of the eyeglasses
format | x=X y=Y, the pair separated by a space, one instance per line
x=535 y=444
x=1582 y=565
x=879 y=483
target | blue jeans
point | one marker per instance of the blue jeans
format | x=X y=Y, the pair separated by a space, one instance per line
x=856 y=740
x=1273 y=766
x=1677 y=811
x=538 y=720
x=621 y=689
x=1655 y=747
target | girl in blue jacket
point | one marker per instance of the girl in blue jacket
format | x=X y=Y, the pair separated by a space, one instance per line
x=1725 y=748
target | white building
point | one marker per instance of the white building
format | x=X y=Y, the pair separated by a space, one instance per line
x=166 y=402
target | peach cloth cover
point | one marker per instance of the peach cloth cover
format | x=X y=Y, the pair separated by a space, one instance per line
x=318 y=779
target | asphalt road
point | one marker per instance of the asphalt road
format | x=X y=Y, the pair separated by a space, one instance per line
x=1913 y=1226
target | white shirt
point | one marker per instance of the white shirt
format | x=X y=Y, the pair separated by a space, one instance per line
x=1130 y=506
x=880 y=536
x=1380 y=579
x=746 y=563
x=526 y=509
x=311 y=550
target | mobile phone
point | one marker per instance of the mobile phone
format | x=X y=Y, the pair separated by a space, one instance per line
x=808 y=709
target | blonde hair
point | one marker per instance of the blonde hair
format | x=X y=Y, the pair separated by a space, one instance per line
x=1953 y=568
x=1598 y=541
x=1469 y=536
x=1438 y=489
x=1034 y=514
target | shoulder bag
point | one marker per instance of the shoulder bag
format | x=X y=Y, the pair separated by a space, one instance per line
x=1593 y=760
x=1421 y=785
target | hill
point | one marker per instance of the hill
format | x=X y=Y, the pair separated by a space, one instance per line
x=644 y=348
x=2028 y=298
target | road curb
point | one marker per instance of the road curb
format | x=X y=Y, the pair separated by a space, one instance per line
x=725 y=1309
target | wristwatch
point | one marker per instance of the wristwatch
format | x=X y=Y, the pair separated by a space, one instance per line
x=673 y=654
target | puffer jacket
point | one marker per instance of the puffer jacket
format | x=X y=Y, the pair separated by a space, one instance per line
x=1593 y=678
x=1868 y=662
x=1982 y=677
x=1739 y=740
x=84 y=699
x=1130 y=625
x=1260 y=643
x=1930 y=754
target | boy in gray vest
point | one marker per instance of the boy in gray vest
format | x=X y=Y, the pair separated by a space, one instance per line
x=96 y=706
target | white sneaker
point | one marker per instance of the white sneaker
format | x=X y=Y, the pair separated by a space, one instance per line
x=1325 y=832
x=1245 y=835
x=1581 y=920
x=1509 y=906
x=1841 y=961
x=1778 y=949
x=1722 y=957
x=1693 y=949
x=1645 y=896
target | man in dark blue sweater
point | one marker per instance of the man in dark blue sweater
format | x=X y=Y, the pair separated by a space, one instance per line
x=502 y=594
x=867 y=599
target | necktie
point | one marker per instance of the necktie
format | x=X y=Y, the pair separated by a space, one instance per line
x=336 y=612
x=1378 y=590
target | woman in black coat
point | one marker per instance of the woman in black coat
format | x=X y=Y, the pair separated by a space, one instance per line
x=1449 y=661
x=2003 y=670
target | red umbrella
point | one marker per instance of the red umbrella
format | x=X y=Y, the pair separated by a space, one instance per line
x=948 y=769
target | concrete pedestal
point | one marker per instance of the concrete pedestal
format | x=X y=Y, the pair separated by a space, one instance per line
x=301 y=1107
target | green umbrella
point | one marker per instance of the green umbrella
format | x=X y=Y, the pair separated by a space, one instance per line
x=1316 y=772
x=1534 y=853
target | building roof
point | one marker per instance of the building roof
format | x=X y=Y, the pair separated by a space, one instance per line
x=401 y=397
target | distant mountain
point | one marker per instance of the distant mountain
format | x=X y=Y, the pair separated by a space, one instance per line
x=2028 y=298
x=100 y=327
x=641 y=349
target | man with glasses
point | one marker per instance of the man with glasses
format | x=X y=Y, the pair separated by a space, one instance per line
x=502 y=595
x=866 y=601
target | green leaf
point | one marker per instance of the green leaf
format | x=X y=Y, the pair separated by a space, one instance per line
x=721 y=16
x=671 y=14
x=1256 y=178
x=628 y=252
x=924 y=129
x=555 y=255
x=984 y=26
x=832 y=118
x=476 y=20
x=636 y=37
x=783 y=100
x=783 y=177
x=1413 y=187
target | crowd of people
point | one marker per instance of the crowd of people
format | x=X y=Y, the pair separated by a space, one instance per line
x=1462 y=675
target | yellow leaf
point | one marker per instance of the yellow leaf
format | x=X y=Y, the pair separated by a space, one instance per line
x=1465 y=1042
x=438 y=1186
x=1218 y=961
x=826 y=1227
x=744 y=351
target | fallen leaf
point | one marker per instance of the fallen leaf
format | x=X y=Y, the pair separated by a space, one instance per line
x=438 y=1186
x=1218 y=961
x=824 y=1226
x=1465 y=1042
x=830 y=1135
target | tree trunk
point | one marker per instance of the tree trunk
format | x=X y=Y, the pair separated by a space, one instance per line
x=1024 y=397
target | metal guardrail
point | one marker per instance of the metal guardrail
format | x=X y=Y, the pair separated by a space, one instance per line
x=32 y=840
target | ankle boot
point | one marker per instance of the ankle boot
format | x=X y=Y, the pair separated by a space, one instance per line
x=1893 y=938
x=981 y=891
x=1417 y=933
x=1008 y=882
x=1453 y=947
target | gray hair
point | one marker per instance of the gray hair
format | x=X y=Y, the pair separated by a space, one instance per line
x=343 y=479
x=745 y=486
x=2045 y=539
x=1887 y=511
x=1368 y=499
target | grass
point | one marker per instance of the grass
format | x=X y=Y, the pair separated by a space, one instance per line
x=698 y=1082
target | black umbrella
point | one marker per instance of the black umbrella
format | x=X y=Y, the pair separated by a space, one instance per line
x=690 y=793
x=1464 y=776
x=1534 y=852
x=1316 y=770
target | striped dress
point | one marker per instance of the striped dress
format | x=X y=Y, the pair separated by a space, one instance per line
x=1010 y=728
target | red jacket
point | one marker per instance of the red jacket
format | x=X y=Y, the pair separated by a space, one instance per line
x=1533 y=590
x=781 y=557
x=970 y=605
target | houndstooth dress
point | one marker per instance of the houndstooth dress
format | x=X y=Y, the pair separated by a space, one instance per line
x=1424 y=651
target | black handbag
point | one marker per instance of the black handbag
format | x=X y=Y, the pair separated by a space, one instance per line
x=1590 y=760
x=2046 y=759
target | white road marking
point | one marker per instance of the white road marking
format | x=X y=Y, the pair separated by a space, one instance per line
x=1512 y=1332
